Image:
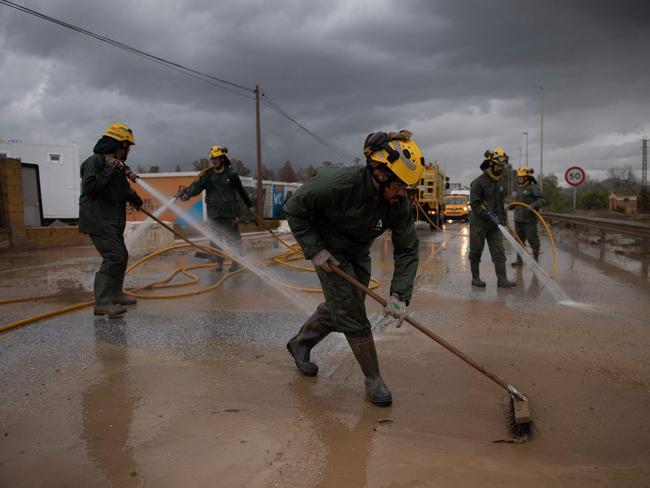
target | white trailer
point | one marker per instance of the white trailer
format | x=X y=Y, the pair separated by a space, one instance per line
x=58 y=174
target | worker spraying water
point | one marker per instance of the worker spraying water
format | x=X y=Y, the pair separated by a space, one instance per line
x=105 y=191
x=488 y=217
x=488 y=222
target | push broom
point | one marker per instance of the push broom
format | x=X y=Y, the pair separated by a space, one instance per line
x=520 y=419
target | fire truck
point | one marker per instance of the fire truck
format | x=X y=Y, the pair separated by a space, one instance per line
x=430 y=194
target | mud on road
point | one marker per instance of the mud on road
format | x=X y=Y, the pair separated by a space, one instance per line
x=201 y=391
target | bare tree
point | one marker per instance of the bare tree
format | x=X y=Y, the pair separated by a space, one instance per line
x=268 y=173
x=239 y=166
x=178 y=168
x=287 y=173
x=201 y=164
x=154 y=169
x=623 y=173
x=306 y=172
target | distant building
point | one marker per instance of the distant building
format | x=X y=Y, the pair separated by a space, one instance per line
x=624 y=201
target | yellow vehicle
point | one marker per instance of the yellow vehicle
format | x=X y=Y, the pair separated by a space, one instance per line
x=431 y=192
x=456 y=207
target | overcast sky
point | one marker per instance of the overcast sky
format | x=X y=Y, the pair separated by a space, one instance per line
x=463 y=75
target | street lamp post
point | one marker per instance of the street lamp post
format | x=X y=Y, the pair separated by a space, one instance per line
x=541 y=139
x=526 y=134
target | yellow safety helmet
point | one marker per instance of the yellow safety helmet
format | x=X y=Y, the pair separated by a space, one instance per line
x=525 y=171
x=216 y=151
x=497 y=155
x=398 y=152
x=119 y=132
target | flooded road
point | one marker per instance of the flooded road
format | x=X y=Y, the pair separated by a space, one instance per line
x=200 y=391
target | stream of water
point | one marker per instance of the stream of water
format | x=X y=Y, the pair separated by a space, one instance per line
x=545 y=280
x=263 y=272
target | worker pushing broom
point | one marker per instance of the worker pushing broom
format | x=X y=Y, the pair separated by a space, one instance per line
x=335 y=217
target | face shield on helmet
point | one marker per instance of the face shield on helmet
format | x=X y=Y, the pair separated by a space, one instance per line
x=120 y=132
x=396 y=152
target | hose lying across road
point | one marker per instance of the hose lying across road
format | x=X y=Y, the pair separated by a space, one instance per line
x=293 y=253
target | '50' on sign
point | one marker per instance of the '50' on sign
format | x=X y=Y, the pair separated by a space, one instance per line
x=575 y=176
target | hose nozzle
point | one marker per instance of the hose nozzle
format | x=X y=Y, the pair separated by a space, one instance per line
x=119 y=165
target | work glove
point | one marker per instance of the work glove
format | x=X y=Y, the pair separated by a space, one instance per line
x=181 y=195
x=321 y=260
x=491 y=217
x=396 y=307
x=136 y=201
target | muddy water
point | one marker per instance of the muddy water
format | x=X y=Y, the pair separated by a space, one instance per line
x=201 y=392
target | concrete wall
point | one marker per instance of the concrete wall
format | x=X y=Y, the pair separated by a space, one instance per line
x=14 y=234
x=47 y=237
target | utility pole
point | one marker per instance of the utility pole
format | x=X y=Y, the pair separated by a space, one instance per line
x=645 y=204
x=526 y=134
x=260 y=193
x=541 y=139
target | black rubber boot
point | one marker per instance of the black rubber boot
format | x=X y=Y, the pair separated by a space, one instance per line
x=518 y=262
x=103 y=289
x=300 y=346
x=364 y=350
x=476 y=279
x=119 y=297
x=536 y=254
x=502 y=277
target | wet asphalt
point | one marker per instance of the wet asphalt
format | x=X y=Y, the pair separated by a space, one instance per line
x=45 y=365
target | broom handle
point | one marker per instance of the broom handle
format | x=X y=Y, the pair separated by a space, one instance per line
x=451 y=348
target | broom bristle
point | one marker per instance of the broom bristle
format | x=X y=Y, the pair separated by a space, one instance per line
x=519 y=421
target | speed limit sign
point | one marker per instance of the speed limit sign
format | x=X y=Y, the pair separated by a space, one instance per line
x=575 y=176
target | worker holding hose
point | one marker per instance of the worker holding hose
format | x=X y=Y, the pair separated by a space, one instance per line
x=335 y=217
x=528 y=192
x=222 y=185
x=488 y=212
x=105 y=190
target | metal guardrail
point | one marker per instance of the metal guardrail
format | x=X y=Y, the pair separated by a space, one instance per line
x=636 y=229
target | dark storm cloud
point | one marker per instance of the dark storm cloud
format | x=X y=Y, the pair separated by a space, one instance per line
x=462 y=75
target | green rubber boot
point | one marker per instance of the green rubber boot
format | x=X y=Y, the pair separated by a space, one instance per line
x=366 y=354
x=300 y=346
x=103 y=289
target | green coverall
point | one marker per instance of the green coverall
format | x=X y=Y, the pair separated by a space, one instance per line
x=221 y=190
x=339 y=209
x=525 y=220
x=102 y=215
x=486 y=192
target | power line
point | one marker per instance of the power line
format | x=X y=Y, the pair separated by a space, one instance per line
x=207 y=78
x=274 y=106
